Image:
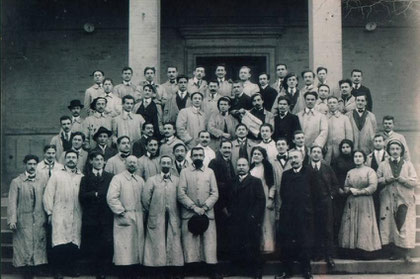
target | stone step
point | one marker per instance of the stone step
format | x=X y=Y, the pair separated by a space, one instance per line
x=275 y=267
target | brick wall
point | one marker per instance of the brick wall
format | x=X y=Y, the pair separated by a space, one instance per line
x=47 y=69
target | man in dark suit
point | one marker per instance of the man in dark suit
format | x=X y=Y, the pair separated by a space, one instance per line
x=150 y=110
x=268 y=93
x=299 y=144
x=246 y=210
x=240 y=100
x=180 y=154
x=139 y=147
x=359 y=89
x=97 y=219
x=101 y=137
x=285 y=123
x=225 y=175
x=324 y=187
x=296 y=216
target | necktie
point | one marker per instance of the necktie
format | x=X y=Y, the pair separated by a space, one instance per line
x=225 y=127
x=50 y=167
x=316 y=168
x=129 y=115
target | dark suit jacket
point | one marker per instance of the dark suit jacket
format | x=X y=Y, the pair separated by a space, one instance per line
x=269 y=95
x=327 y=185
x=109 y=152
x=364 y=90
x=95 y=208
x=286 y=127
x=139 y=147
x=296 y=212
x=242 y=102
x=225 y=176
x=246 y=207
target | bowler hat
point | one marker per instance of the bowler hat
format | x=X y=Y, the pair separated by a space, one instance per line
x=75 y=103
x=198 y=224
x=101 y=130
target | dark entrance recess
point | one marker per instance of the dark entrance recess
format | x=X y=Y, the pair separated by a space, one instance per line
x=257 y=64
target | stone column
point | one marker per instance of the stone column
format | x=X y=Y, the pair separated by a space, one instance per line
x=144 y=37
x=325 y=38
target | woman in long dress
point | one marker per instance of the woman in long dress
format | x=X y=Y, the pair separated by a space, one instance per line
x=341 y=165
x=359 y=230
x=262 y=169
x=397 y=201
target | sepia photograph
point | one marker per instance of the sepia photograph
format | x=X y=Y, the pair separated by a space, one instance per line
x=172 y=139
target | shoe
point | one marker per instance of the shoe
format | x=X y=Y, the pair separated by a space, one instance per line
x=408 y=260
x=330 y=262
x=283 y=276
x=394 y=258
x=308 y=275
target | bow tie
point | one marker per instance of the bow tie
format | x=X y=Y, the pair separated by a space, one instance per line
x=360 y=110
x=282 y=157
x=395 y=162
x=125 y=155
x=166 y=176
x=172 y=81
x=74 y=170
x=31 y=177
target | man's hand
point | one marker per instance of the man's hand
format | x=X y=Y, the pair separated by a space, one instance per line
x=226 y=135
x=12 y=226
x=198 y=210
x=401 y=180
x=389 y=179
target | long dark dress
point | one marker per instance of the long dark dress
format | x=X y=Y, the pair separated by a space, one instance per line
x=341 y=165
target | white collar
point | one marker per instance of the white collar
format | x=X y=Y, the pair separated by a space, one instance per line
x=317 y=164
x=196 y=81
x=284 y=115
x=96 y=172
x=264 y=87
x=297 y=170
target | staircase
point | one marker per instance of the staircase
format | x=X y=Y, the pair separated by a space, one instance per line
x=271 y=267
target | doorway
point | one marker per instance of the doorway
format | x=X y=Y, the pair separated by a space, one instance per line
x=257 y=64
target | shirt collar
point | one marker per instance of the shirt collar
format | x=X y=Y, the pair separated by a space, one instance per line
x=96 y=172
x=264 y=87
x=308 y=110
x=317 y=164
x=291 y=90
x=297 y=170
x=98 y=114
x=30 y=177
x=163 y=174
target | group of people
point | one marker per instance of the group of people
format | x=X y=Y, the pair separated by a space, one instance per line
x=167 y=175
